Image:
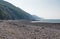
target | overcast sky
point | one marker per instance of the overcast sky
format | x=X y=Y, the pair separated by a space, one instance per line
x=48 y=9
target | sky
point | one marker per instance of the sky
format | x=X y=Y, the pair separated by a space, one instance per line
x=48 y=9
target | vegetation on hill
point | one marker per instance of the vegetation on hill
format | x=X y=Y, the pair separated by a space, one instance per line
x=10 y=12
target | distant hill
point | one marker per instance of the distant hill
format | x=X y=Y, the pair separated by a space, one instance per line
x=37 y=18
x=10 y=12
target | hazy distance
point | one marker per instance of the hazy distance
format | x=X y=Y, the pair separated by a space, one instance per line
x=48 y=9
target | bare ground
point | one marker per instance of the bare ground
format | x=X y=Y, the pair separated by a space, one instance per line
x=20 y=30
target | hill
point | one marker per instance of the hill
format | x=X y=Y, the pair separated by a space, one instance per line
x=37 y=17
x=11 y=12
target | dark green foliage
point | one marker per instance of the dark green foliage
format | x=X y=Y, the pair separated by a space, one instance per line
x=10 y=12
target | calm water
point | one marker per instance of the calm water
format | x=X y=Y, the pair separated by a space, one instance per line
x=48 y=21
